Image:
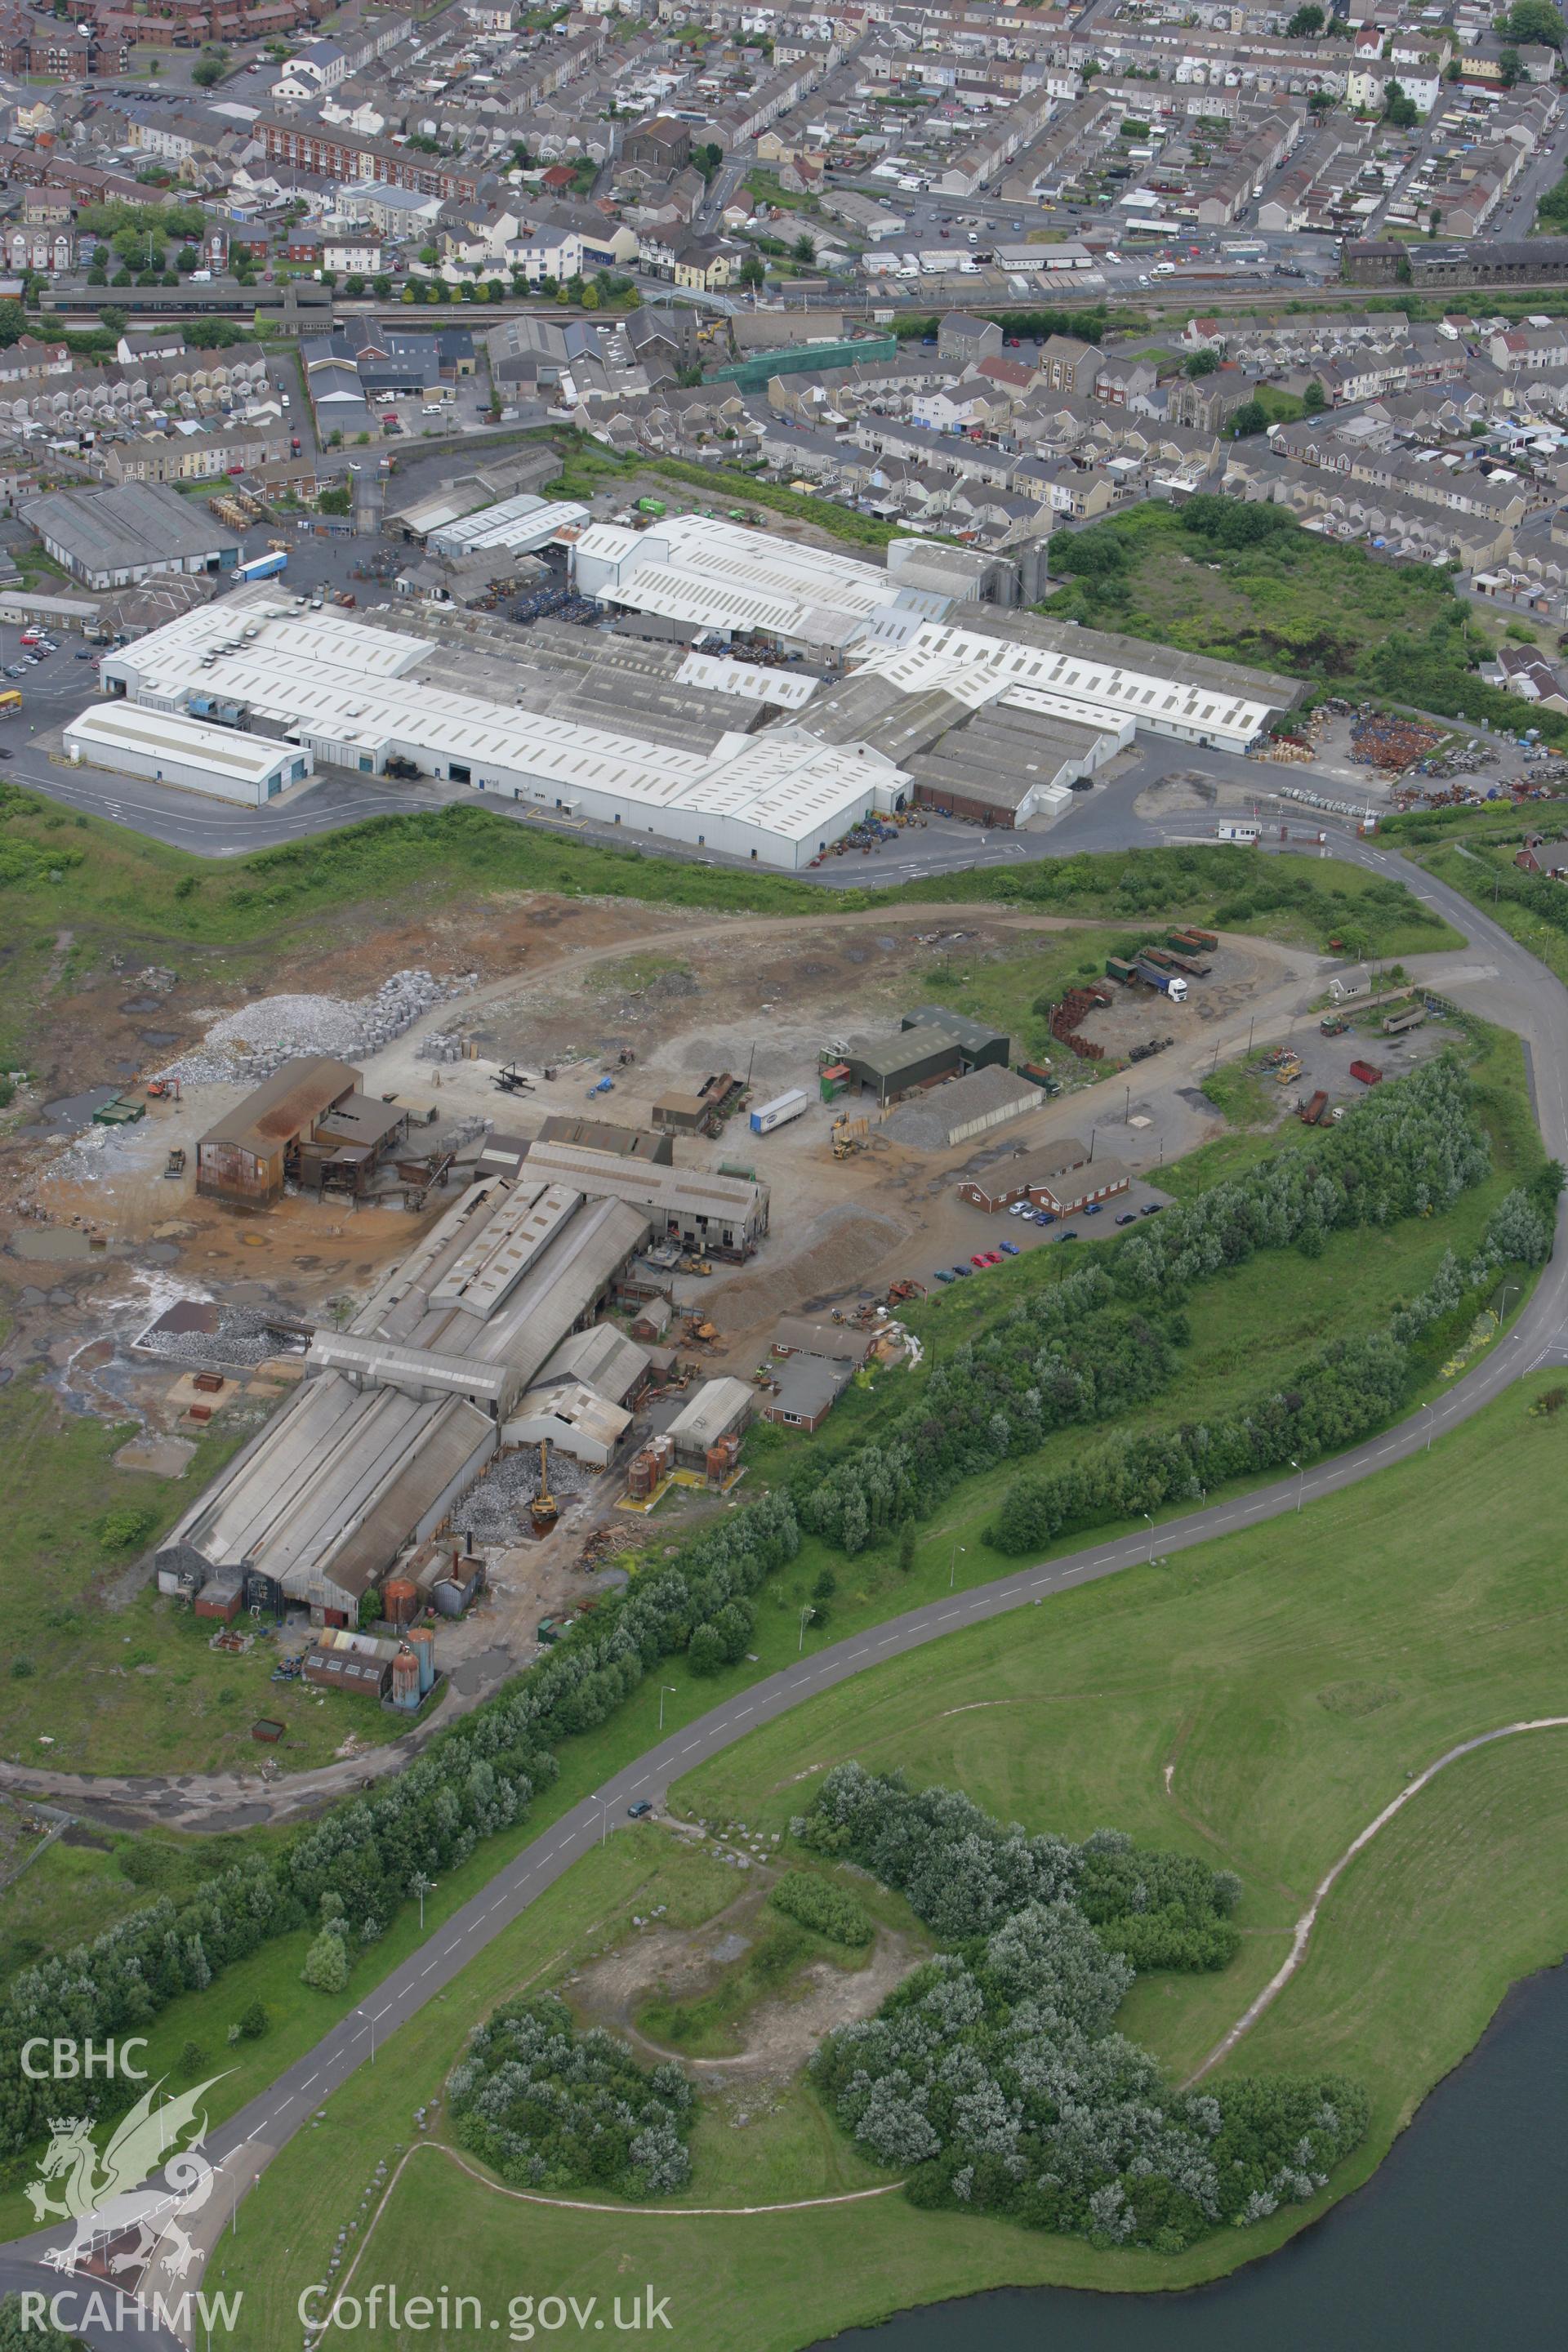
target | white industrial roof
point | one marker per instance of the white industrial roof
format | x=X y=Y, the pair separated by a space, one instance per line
x=1065 y=683
x=348 y=682
x=522 y=523
x=718 y=574
x=117 y=727
x=790 y=690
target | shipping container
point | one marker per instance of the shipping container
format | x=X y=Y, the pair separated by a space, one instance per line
x=1312 y=1112
x=780 y=1111
x=1367 y=1072
x=1120 y=967
x=1395 y=1025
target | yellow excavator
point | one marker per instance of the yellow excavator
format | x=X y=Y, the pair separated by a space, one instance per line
x=544 y=1510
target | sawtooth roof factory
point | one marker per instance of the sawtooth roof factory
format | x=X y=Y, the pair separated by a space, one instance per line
x=862 y=689
x=466 y=1346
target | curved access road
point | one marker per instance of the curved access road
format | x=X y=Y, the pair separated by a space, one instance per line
x=1525 y=997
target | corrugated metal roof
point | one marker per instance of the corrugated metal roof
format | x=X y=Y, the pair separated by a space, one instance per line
x=283 y=1105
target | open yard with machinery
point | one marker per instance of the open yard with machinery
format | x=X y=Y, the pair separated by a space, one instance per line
x=160 y=955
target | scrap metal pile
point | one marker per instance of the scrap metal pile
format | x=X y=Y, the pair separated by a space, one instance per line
x=1379 y=739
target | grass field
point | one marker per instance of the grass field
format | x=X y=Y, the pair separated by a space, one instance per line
x=135 y=1689
x=1293 y=601
x=1248 y=1327
x=81 y=1885
x=1292 y=1678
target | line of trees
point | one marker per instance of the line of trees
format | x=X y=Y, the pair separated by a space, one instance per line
x=1350 y=1388
x=549 y=2107
x=994 y=2076
x=347 y=1874
x=1107 y=1331
x=1066 y=1355
x=1106 y=1337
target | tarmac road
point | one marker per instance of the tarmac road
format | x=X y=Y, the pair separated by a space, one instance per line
x=1523 y=991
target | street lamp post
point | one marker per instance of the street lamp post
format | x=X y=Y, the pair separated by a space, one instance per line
x=952 y=1564
x=808 y=1611
x=370 y=2022
x=665 y=1690
x=1149 y=1522
x=1301 y=1480
x=421 y=1885
x=1431 y=1417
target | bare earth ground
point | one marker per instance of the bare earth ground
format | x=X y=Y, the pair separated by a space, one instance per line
x=570 y=982
x=781 y=2032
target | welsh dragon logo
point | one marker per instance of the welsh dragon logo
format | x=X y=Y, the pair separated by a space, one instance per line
x=110 y=2194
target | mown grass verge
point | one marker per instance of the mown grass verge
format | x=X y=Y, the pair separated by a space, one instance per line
x=1290 y=1677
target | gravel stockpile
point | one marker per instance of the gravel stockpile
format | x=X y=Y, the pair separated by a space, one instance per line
x=253 y=1041
x=241 y=1336
x=493 y=1511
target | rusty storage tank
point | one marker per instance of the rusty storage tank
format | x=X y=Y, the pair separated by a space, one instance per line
x=421 y=1642
x=399 y=1601
x=718 y=1462
x=640 y=1476
x=405 y=1680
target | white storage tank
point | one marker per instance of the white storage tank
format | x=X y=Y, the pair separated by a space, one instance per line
x=780 y=1111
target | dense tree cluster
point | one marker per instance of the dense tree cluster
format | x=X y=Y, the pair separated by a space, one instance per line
x=1073 y=1353
x=831 y=1910
x=994 y=2077
x=550 y=2108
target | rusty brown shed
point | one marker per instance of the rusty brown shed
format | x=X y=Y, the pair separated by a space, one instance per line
x=246 y=1156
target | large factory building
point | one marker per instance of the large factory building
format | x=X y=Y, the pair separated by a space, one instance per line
x=860 y=689
x=399 y=1414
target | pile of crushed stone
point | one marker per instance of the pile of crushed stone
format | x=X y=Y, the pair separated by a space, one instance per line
x=243 y=1336
x=495 y=1509
x=257 y=1039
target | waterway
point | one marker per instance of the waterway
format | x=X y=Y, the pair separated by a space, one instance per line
x=1457 y=2244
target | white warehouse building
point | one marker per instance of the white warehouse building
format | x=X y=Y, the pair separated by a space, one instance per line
x=351 y=696
x=889 y=684
x=187 y=753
